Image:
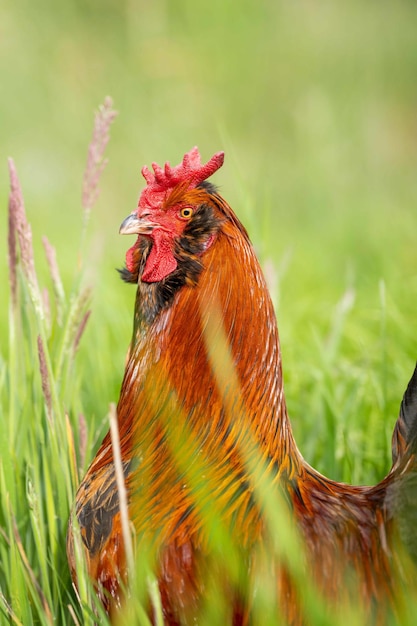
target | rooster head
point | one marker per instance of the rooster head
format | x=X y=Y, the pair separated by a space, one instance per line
x=165 y=208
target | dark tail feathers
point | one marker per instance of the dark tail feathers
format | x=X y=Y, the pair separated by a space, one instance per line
x=405 y=431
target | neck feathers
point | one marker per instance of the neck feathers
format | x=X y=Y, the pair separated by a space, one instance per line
x=214 y=351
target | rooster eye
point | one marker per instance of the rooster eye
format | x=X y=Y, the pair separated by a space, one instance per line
x=186 y=212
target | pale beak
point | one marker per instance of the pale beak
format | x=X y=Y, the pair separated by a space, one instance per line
x=134 y=225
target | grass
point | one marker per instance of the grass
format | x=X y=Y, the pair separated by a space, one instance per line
x=317 y=119
x=44 y=432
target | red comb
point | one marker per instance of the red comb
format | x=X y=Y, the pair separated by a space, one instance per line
x=165 y=179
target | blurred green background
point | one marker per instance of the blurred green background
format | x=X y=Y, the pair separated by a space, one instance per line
x=315 y=105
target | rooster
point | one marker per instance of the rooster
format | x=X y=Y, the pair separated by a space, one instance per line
x=205 y=437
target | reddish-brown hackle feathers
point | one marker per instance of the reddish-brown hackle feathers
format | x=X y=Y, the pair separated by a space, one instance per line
x=163 y=180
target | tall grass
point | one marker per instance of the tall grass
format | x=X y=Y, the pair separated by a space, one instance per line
x=44 y=432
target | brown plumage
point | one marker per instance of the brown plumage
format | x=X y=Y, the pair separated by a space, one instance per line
x=204 y=431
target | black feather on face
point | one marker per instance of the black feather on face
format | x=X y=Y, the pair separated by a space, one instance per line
x=188 y=251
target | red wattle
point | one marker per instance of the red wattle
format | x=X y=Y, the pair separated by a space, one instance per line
x=161 y=261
